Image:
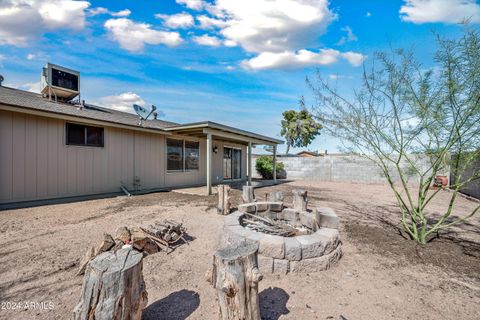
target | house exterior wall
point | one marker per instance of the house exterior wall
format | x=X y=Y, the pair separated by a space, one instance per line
x=36 y=164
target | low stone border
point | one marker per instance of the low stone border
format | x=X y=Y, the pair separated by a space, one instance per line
x=276 y=254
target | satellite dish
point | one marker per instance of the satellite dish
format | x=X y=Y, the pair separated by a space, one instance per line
x=145 y=112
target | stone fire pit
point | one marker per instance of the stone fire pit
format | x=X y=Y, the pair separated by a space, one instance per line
x=316 y=249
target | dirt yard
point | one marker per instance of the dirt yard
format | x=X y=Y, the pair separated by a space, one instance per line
x=381 y=275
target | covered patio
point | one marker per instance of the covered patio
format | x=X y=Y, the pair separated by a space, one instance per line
x=212 y=131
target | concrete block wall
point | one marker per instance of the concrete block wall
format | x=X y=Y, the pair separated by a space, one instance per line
x=341 y=168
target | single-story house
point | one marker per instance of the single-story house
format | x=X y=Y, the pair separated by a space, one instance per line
x=54 y=150
x=306 y=153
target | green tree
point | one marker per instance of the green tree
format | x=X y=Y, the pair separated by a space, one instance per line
x=404 y=114
x=299 y=128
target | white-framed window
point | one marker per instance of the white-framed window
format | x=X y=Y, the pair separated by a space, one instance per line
x=182 y=155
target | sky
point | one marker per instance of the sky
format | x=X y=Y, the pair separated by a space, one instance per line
x=240 y=63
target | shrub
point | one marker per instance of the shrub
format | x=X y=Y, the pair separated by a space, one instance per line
x=264 y=167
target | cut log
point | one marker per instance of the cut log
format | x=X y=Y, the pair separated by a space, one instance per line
x=123 y=234
x=113 y=287
x=224 y=202
x=300 y=200
x=85 y=260
x=248 y=196
x=107 y=244
x=235 y=276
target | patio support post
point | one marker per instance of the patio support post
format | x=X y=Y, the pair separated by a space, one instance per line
x=249 y=163
x=275 y=164
x=209 y=163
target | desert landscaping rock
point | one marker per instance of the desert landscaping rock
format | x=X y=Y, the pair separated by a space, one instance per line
x=276 y=206
x=317 y=264
x=281 y=266
x=291 y=215
x=307 y=219
x=293 y=249
x=265 y=264
x=327 y=218
x=247 y=207
x=272 y=246
x=312 y=245
x=232 y=219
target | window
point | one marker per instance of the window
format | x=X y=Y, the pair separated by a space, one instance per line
x=82 y=135
x=182 y=155
x=192 y=155
x=174 y=155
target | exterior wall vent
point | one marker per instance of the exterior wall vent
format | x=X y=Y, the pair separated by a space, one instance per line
x=59 y=83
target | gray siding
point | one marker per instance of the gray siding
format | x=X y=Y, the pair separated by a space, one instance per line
x=35 y=162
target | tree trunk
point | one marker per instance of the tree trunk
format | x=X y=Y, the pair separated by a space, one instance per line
x=300 y=200
x=235 y=275
x=248 y=195
x=224 y=202
x=113 y=287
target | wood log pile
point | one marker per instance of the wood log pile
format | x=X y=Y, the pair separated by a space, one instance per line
x=268 y=226
x=146 y=240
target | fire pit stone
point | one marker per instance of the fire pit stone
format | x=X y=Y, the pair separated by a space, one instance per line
x=316 y=246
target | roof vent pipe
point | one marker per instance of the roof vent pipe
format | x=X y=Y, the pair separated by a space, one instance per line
x=1 y=79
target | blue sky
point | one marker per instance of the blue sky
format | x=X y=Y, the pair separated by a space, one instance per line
x=241 y=63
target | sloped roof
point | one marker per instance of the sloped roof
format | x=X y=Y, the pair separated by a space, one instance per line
x=34 y=101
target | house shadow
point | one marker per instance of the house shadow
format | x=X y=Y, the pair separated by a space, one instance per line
x=273 y=303
x=177 y=305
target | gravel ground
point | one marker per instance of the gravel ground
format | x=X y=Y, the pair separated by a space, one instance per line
x=381 y=275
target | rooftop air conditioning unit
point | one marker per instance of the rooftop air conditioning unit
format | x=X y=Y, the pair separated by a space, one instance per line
x=60 y=83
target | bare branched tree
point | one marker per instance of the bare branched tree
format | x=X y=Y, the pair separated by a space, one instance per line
x=411 y=120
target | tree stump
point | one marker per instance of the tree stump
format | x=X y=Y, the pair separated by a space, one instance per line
x=113 y=287
x=276 y=196
x=248 y=195
x=224 y=202
x=300 y=200
x=235 y=276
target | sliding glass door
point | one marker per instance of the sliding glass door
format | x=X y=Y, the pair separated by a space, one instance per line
x=232 y=163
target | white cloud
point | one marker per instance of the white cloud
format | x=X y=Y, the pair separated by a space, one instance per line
x=273 y=26
x=175 y=21
x=192 y=4
x=290 y=59
x=368 y=14
x=30 y=56
x=97 y=11
x=300 y=58
x=349 y=37
x=100 y=10
x=122 y=102
x=21 y=20
x=29 y=86
x=207 y=22
x=355 y=59
x=230 y=43
x=121 y=13
x=133 y=36
x=207 y=40
x=446 y=11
